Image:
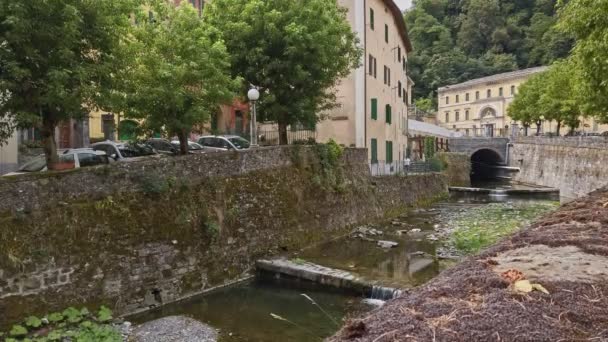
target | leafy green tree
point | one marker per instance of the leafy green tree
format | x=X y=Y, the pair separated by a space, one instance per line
x=558 y=101
x=58 y=60
x=525 y=106
x=425 y=104
x=295 y=51
x=180 y=75
x=588 y=22
x=478 y=26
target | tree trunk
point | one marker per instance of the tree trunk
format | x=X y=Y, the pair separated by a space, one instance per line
x=48 y=141
x=283 y=134
x=559 y=126
x=526 y=130
x=183 y=142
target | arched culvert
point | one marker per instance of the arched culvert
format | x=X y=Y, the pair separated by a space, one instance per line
x=484 y=162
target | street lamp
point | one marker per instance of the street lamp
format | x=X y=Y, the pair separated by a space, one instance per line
x=254 y=95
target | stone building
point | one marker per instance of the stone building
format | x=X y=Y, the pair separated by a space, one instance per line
x=375 y=97
x=479 y=107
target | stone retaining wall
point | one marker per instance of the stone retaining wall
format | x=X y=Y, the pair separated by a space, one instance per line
x=576 y=166
x=457 y=168
x=139 y=235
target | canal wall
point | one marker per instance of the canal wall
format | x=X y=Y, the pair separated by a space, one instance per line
x=142 y=234
x=576 y=165
x=457 y=167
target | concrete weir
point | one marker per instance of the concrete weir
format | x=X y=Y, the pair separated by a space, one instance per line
x=325 y=276
x=549 y=191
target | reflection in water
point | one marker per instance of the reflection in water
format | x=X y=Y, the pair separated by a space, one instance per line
x=242 y=312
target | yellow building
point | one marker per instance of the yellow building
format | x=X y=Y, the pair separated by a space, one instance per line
x=9 y=155
x=374 y=98
x=479 y=107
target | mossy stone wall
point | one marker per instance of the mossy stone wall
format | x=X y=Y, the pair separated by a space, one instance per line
x=457 y=167
x=144 y=234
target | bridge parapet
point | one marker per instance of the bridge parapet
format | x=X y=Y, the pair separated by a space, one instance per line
x=472 y=145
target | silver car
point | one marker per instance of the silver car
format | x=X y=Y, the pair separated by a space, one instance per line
x=223 y=143
x=124 y=151
x=70 y=159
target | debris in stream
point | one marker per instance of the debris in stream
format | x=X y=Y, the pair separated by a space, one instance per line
x=387 y=244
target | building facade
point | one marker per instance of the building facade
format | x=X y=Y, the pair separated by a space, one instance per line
x=373 y=100
x=479 y=107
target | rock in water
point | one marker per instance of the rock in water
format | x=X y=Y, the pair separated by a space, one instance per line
x=387 y=244
x=174 y=329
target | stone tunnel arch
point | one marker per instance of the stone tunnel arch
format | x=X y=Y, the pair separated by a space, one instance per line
x=484 y=164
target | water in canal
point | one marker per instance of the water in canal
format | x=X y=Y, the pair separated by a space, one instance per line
x=243 y=312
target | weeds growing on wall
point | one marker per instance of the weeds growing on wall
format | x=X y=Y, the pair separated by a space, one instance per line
x=326 y=169
x=69 y=325
x=429 y=148
x=329 y=172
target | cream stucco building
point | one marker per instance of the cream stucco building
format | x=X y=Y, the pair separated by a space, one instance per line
x=479 y=107
x=374 y=98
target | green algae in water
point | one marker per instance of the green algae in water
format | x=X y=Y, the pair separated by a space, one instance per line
x=481 y=227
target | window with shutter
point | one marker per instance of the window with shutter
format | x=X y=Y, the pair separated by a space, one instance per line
x=374 y=109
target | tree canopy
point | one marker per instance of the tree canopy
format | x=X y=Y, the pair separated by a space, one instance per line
x=549 y=96
x=179 y=73
x=58 y=60
x=587 y=20
x=455 y=41
x=294 y=51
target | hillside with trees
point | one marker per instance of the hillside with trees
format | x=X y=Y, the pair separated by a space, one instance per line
x=458 y=40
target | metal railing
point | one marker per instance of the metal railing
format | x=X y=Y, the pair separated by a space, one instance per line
x=381 y=168
x=484 y=132
x=271 y=137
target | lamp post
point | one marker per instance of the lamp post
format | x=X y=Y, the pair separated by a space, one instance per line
x=254 y=95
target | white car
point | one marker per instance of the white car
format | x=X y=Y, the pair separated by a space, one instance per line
x=70 y=159
x=223 y=143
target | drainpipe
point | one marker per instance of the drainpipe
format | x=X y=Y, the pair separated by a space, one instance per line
x=365 y=72
x=507 y=153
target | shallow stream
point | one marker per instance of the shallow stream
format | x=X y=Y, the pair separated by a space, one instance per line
x=243 y=312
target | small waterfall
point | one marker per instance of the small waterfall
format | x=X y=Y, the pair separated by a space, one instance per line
x=384 y=293
x=499 y=193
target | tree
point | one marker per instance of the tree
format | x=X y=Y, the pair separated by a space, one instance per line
x=180 y=74
x=58 y=59
x=478 y=26
x=456 y=40
x=295 y=51
x=558 y=100
x=525 y=106
x=588 y=22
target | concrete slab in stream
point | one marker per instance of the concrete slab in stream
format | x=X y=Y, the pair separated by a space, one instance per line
x=315 y=273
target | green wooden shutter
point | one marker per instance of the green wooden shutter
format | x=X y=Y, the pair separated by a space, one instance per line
x=389 y=152
x=374 y=148
x=371 y=18
x=389 y=114
x=386 y=33
x=374 y=109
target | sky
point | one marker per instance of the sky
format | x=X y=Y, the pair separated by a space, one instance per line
x=404 y=4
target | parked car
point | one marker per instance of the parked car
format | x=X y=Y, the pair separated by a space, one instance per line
x=124 y=151
x=70 y=159
x=192 y=147
x=163 y=146
x=224 y=142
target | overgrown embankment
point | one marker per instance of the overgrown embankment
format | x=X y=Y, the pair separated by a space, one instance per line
x=565 y=252
x=139 y=235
